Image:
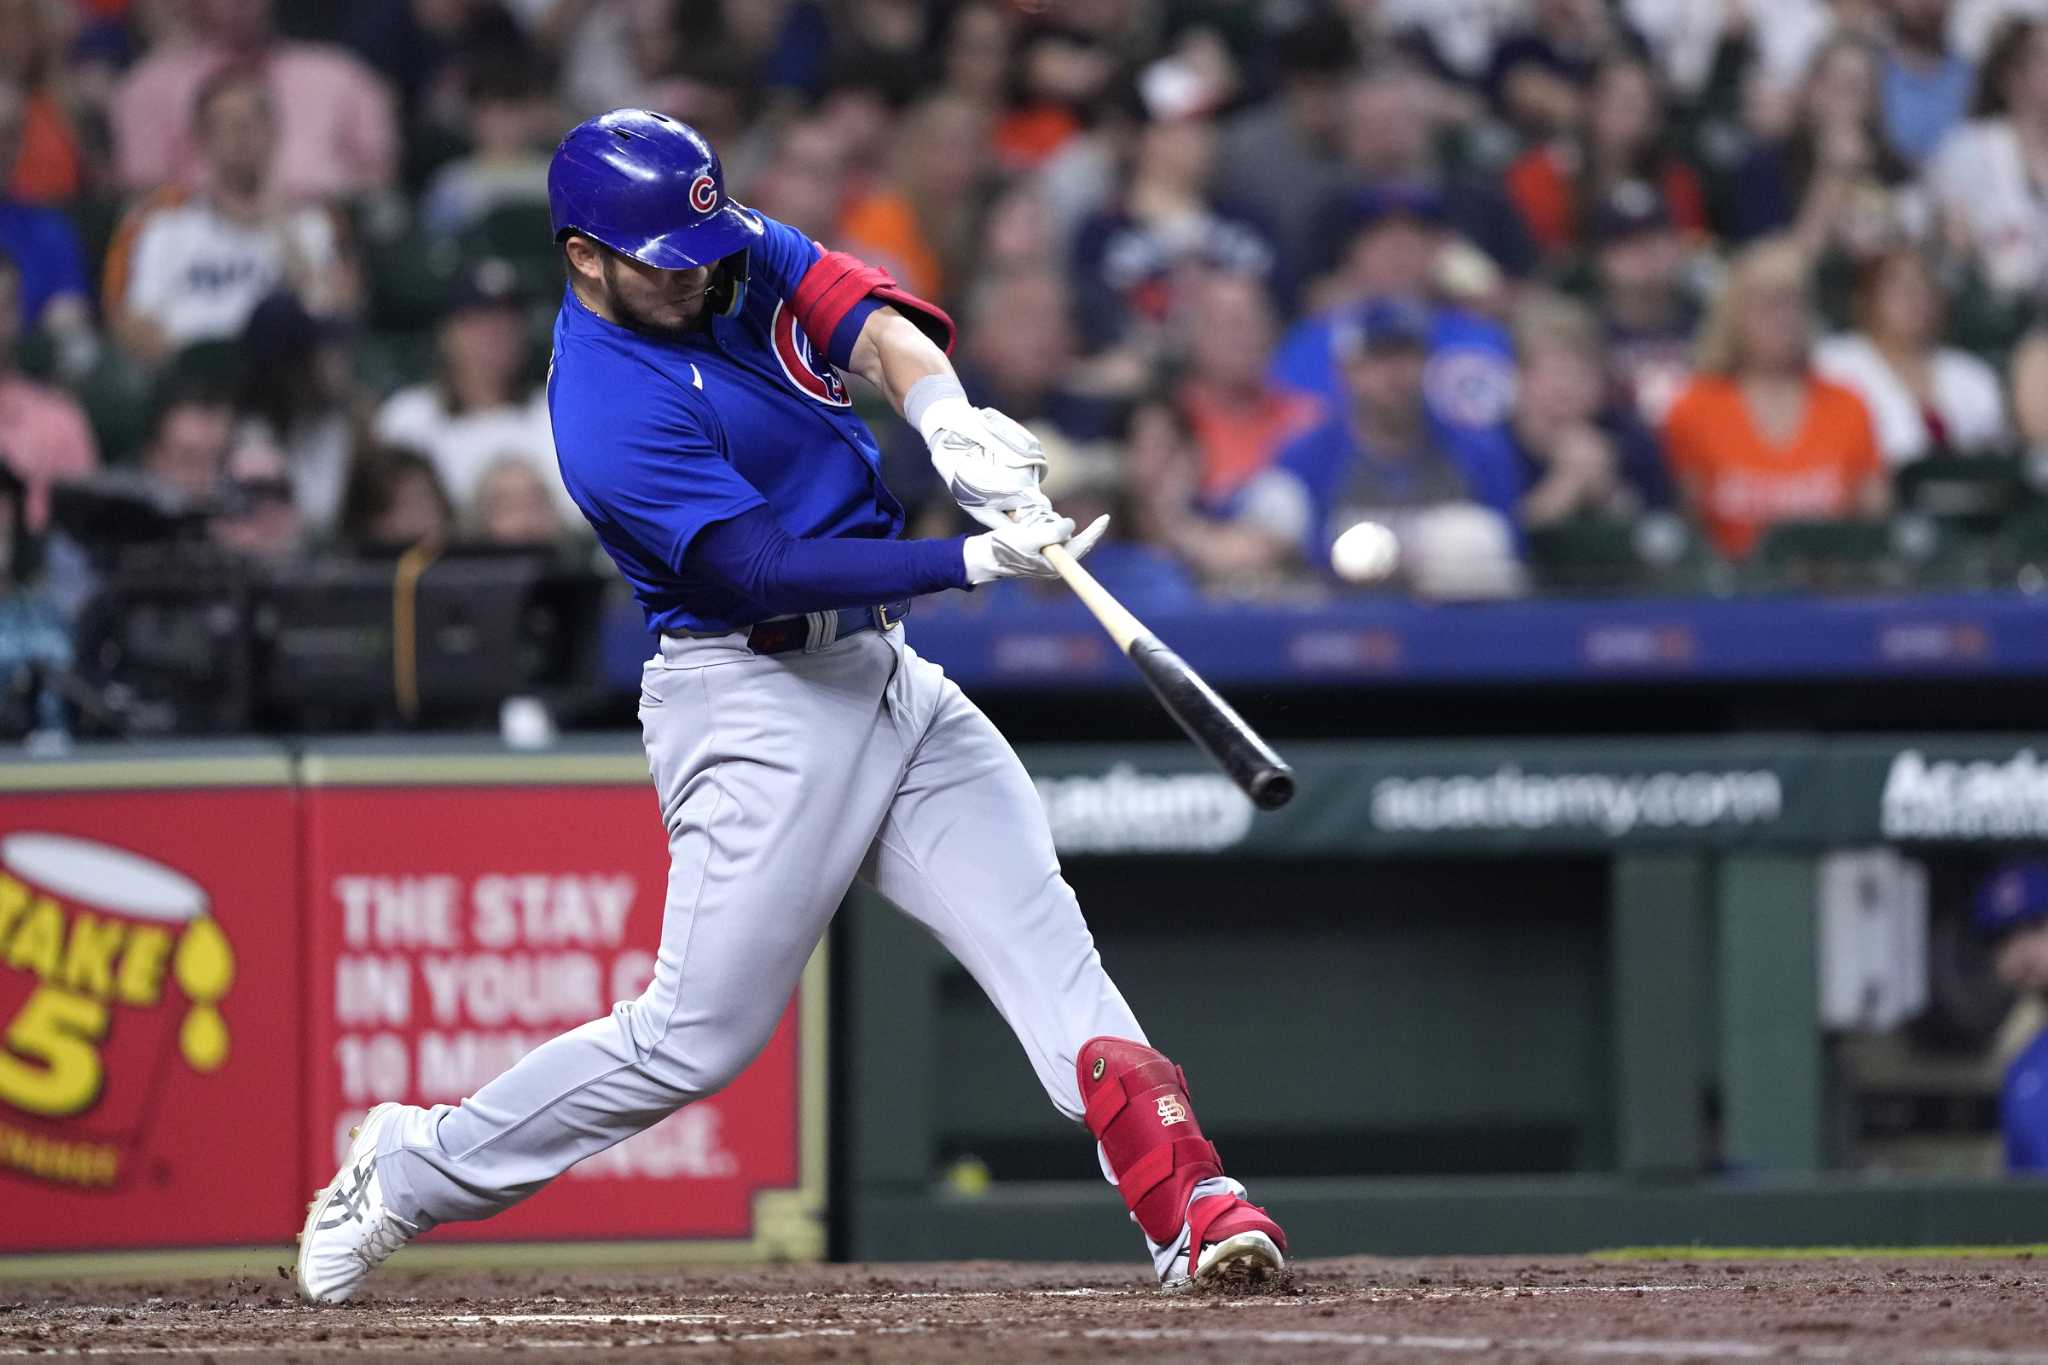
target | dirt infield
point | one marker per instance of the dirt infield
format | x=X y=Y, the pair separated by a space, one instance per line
x=1990 y=1311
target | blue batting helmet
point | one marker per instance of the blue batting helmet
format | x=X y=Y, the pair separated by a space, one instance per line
x=2013 y=896
x=649 y=187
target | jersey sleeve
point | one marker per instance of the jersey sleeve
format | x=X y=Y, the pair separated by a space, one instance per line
x=649 y=467
x=833 y=293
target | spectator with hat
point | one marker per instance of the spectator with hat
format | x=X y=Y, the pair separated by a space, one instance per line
x=1396 y=252
x=1643 y=293
x=1380 y=458
x=2012 y=912
x=483 y=401
x=299 y=397
x=1390 y=137
x=1137 y=256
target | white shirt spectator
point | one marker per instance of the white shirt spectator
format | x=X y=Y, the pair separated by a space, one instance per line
x=1979 y=177
x=197 y=273
x=1967 y=398
x=1684 y=35
x=1972 y=22
x=463 y=445
x=1463 y=32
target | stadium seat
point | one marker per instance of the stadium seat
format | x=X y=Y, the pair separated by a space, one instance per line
x=2023 y=541
x=390 y=360
x=1658 y=552
x=1824 y=556
x=408 y=279
x=1971 y=493
x=96 y=217
x=522 y=234
x=116 y=396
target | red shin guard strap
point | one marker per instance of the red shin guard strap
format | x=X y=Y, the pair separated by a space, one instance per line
x=1159 y=1164
x=1135 y=1102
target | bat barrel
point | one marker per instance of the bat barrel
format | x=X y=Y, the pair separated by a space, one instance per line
x=1212 y=723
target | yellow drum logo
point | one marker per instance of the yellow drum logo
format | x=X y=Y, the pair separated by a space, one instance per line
x=88 y=935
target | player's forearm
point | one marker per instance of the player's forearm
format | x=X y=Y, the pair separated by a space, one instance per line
x=893 y=354
x=753 y=556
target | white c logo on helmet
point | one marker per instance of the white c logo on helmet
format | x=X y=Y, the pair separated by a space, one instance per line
x=703 y=194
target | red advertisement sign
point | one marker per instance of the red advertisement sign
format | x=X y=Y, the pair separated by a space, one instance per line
x=454 y=928
x=150 y=1027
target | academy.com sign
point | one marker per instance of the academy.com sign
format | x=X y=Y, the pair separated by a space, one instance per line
x=1974 y=799
x=1127 y=811
x=1613 y=804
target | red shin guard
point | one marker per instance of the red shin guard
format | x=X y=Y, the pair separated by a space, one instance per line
x=1136 y=1104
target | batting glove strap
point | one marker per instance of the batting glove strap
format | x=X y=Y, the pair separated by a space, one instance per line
x=1016 y=549
x=991 y=464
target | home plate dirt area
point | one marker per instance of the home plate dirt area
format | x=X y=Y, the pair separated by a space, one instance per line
x=1975 y=1310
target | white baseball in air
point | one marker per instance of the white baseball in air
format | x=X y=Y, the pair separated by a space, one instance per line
x=1366 y=553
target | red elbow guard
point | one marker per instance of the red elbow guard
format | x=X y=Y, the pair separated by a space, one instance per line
x=837 y=281
x=1136 y=1105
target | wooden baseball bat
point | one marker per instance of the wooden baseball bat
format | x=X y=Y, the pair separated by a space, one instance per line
x=1209 y=720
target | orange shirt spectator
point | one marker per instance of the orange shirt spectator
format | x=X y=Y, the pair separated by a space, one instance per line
x=1741 y=479
x=1759 y=436
x=1237 y=440
x=1546 y=193
x=47 y=169
x=1619 y=141
x=883 y=228
x=921 y=223
x=1238 y=418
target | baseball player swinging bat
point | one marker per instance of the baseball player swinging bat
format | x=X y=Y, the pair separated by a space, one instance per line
x=1209 y=720
x=796 y=741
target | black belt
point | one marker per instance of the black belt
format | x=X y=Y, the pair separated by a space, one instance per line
x=814 y=630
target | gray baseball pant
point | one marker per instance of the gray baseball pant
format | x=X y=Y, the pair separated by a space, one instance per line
x=783 y=779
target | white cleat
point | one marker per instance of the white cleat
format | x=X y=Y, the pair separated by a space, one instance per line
x=349 y=1232
x=1246 y=1261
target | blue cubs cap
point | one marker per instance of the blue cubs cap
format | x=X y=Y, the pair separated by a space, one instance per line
x=648 y=187
x=2014 y=896
x=1396 y=199
x=1383 y=324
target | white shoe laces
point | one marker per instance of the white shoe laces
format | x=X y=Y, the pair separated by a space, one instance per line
x=387 y=1235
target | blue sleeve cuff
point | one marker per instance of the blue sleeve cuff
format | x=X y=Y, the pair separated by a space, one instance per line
x=840 y=352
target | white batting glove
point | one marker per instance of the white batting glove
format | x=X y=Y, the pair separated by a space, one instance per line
x=991 y=464
x=1017 y=549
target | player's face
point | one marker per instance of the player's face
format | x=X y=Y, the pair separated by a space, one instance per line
x=665 y=302
x=2022 y=960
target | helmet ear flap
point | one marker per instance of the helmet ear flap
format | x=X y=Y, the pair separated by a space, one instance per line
x=728 y=290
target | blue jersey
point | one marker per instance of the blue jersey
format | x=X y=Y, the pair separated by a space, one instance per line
x=2023 y=1108
x=1468 y=390
x=659 y=438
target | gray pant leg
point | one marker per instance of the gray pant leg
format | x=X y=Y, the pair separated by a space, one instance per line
x=966 y=852
x=773 y=775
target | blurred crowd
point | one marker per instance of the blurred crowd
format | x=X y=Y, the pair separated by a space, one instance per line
x=1400 y=292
